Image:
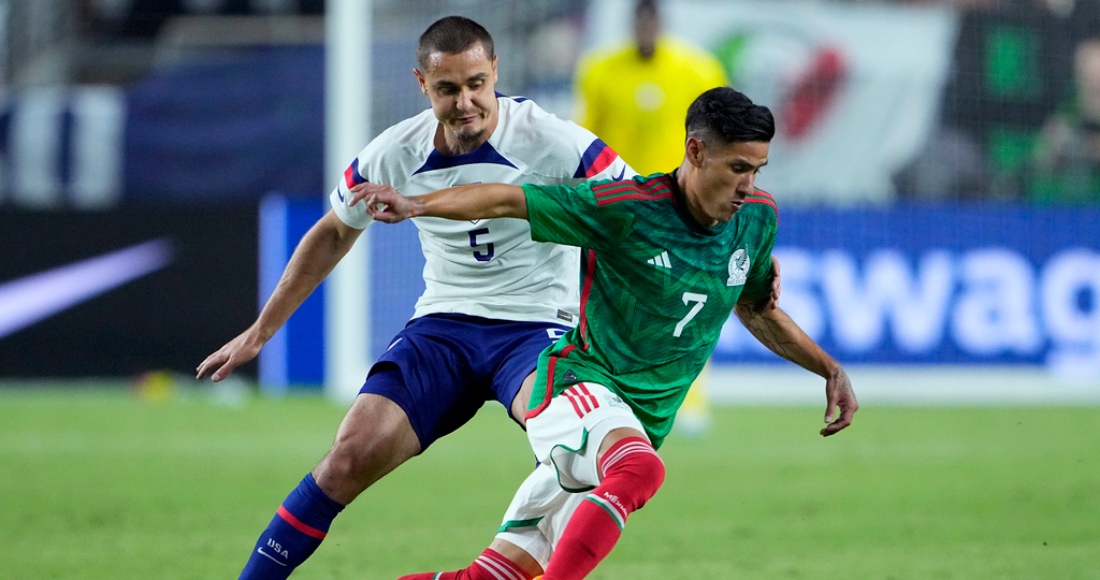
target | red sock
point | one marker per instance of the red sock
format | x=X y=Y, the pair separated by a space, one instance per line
x=632 y=473
x=488 y=566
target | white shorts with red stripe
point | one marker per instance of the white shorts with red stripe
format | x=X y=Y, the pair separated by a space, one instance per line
x=567 y=433
x=566 y=438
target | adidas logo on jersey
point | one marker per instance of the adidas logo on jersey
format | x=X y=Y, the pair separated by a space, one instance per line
x=660 y=261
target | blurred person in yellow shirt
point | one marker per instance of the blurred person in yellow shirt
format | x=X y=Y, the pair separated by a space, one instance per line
x=635 y=96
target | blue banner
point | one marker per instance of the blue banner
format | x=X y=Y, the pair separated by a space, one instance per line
x=899 y=285
x=228 y=129
x=965 y=285
x=955 y=285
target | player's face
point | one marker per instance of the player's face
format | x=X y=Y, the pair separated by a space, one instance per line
x=461 y=88
x=724 y=175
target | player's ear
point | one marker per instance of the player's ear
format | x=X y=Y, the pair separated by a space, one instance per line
x=694 y=150
x=421 y=80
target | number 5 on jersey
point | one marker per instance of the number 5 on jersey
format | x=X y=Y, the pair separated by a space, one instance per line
x=478 y=254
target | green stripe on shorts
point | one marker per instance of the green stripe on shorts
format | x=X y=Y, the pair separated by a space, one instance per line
x=519 y=524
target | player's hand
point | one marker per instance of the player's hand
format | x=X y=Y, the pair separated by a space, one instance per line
x=362 y=191
x=839 y=395
x=384 y=203
x=235 y=353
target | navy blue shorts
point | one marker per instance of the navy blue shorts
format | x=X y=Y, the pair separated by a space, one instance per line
x=443 y=367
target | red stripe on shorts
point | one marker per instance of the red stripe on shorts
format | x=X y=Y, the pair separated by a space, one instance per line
x=584 y=389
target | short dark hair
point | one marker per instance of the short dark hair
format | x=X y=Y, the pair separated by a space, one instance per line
x=452 y=35
x=649 y=6
x=730 y=116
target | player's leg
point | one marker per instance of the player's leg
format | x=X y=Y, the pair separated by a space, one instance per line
x=416 y=393
x=524 y=542
x=518 y=409
x=373 y=439
x=594 y=441
x=632 y=473
x=517 y=346
x=499 y=560
x=520 y=345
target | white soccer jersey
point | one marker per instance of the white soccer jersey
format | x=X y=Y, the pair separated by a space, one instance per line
x=489 y=268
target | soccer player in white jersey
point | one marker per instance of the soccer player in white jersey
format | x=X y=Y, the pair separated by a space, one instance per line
x=494 y=299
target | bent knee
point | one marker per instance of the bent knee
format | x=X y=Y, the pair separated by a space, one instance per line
x=634 y=462
x=364 y=451
x=650 y=474
x=367 y=459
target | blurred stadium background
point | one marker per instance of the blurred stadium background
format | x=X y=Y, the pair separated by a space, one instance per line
x=937 y=169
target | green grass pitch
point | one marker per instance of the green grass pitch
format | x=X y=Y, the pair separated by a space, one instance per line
x=98 y=483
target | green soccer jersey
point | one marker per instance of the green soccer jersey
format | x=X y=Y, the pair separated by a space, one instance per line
x=656 y=288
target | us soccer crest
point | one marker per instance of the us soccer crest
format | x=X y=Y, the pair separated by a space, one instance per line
x=738 y=268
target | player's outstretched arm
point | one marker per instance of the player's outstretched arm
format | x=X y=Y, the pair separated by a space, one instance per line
x=316 y=255
x=775 y=330
x=465 y=202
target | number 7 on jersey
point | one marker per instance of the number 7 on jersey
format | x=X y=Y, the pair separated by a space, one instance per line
x=688 y=298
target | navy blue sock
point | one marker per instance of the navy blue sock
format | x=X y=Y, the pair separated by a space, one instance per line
x=293 y=534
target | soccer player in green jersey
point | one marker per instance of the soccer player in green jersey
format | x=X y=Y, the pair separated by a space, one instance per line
x=665 y=259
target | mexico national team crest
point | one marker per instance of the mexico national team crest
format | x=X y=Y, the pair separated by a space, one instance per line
x=739 y=268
